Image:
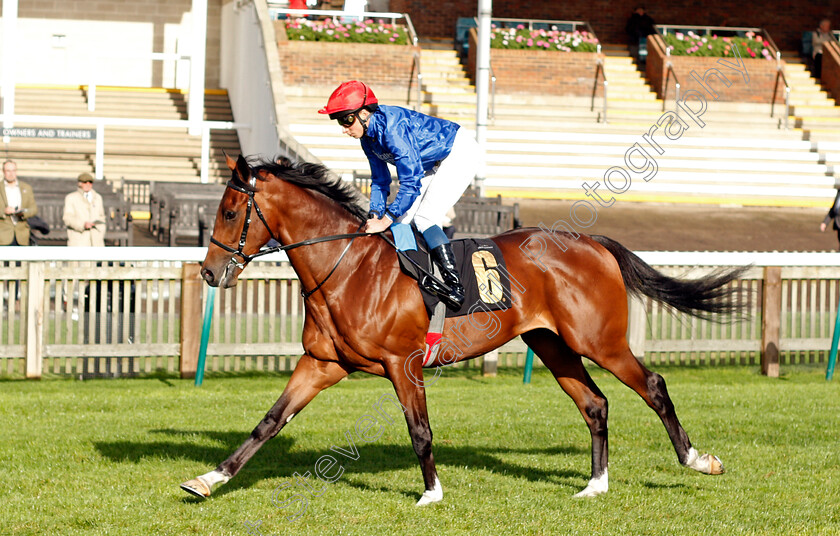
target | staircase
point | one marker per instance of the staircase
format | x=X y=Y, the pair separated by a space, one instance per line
x=813 y=111
x=131 y=153
x=547 y=146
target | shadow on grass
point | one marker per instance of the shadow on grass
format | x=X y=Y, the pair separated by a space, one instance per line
x=277 y=459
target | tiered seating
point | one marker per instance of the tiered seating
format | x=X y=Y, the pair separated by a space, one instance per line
x=130 y=152
x=542 y=146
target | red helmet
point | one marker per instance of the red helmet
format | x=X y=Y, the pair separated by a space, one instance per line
x=349 y=97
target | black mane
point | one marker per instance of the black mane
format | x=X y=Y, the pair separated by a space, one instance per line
x=314 y=177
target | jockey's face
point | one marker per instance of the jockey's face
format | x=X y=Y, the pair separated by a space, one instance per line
x=357 y=130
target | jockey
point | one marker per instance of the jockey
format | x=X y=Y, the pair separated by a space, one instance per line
x=435 y=160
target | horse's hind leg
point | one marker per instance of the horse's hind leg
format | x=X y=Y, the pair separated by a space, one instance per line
x=309 y=378
x=651 y=387
x=568 y=370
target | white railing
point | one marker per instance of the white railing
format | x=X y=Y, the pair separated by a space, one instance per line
x=101 y=122
x=133 y=306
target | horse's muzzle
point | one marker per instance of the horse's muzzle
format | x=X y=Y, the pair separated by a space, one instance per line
x=209 y=276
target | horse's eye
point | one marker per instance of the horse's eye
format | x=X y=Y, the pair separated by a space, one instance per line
x=230 y=215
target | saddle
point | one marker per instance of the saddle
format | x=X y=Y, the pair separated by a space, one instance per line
x=481 y=267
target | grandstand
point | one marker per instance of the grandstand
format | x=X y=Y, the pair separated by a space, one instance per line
x=539 y=145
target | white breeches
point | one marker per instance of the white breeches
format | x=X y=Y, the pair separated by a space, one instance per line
x=440 y=190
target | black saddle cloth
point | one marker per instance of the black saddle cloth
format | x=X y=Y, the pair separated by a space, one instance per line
x=483 y=273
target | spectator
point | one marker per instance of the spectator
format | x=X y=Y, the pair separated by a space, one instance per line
x=84 y=215
x=821 y=36
x=833 y=216
x=297 y=4
x=19 y=203
x=639 y=26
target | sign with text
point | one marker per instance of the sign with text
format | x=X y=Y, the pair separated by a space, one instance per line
x=51 y=133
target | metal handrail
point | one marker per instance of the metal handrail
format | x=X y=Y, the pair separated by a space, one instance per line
x=492 y=115
x=780 y=74
x=530 y=25
x=530 y=22
x=599 y=68
x=419 y=102
x=669 y=66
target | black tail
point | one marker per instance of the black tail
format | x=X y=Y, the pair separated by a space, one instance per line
x=701 y=297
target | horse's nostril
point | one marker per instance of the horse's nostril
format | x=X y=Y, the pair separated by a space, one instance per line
x=207 y=274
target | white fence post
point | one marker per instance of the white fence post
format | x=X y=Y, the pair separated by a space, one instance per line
x=636 y=326
x=34 y=320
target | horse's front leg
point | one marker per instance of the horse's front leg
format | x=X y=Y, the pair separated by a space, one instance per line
x=309 y=378
x=408 y=385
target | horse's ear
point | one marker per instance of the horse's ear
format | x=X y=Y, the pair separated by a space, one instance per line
x=243 y=169
x=231 y=163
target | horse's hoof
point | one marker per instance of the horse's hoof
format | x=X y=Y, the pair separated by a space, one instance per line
x=596 y=486
x=715 y=465
x=431 y=495
x=708 y=464
x=196 y=487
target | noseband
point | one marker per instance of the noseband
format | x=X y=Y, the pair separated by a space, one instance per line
x=242 y=239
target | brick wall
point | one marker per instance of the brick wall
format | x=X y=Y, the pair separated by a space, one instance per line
x=329 y=64
x=831 y=69
x=761 y=76
x=785 y=20
x=539 y=72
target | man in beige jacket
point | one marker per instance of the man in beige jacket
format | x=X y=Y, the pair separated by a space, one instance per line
x=84 y=215
x=17 y=204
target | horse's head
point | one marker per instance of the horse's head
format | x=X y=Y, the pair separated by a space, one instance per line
x=239 y=231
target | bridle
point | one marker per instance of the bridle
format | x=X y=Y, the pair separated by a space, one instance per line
x=252 y=202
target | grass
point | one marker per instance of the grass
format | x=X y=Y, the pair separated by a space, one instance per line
x=106 y=457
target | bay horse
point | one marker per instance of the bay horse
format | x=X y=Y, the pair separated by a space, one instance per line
x=364 y=314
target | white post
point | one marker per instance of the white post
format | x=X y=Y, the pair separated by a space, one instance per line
x=482 y=79
x=205 y=155
x=195 y=110
x=100 y=151
x=9 y=66
x=34 y=320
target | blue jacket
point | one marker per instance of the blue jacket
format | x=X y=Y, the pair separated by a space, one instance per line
x=411 y=141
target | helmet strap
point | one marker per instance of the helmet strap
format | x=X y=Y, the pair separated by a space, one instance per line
x=363 y=121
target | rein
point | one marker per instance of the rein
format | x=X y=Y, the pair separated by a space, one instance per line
x=248 y=258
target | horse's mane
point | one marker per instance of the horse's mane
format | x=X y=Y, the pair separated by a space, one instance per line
x=313 y=177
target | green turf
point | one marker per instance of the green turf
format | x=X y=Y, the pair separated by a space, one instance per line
x=106 y=457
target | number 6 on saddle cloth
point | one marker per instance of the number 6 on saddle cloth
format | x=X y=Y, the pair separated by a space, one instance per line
x=481 y=267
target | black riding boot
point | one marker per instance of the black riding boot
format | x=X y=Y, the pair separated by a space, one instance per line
x=453 y=298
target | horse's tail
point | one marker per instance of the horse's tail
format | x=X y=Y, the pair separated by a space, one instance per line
x=701 y=297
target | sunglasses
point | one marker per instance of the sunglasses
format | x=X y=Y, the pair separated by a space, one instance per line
x=347 y=121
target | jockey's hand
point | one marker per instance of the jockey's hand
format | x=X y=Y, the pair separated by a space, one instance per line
x=377 y=225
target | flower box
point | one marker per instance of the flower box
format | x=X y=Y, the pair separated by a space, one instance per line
x=325 y=63
x=710 y=75
x=539 y=71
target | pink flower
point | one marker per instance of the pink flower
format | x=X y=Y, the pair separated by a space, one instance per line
x=530 y=42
